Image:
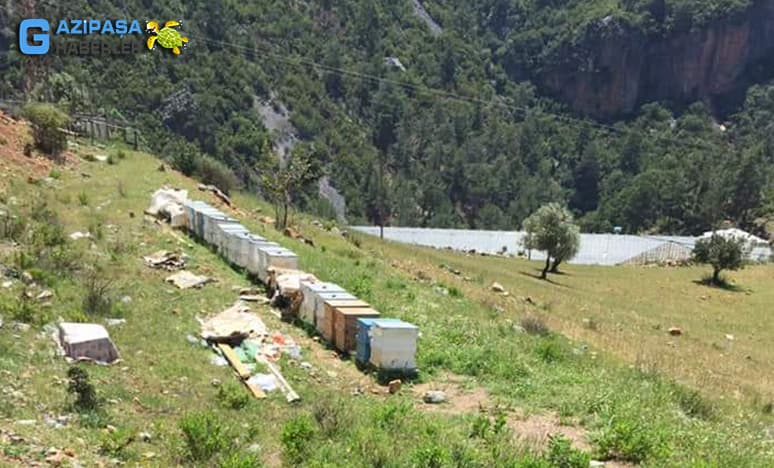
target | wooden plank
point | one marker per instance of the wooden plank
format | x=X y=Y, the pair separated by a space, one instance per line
x=233 y=359
x=290 y=394
x=256 y=391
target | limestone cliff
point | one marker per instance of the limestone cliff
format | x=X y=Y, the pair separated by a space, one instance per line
x=615 y=68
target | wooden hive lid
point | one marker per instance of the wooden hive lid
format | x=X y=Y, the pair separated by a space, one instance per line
x=359 y=312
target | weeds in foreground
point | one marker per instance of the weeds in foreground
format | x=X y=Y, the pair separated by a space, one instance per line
x=99 y=298
x=205 y=436
x=233 y=395
x=81 y=387
x=534 y=326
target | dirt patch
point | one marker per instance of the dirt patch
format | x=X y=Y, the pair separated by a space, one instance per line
x=14 y=134
x=461 y=396
x=535 y=430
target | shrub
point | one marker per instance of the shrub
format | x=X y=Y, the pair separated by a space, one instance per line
x=233 y=395
x=99 y=298
x=296 y=437
x=549 y=351
x=693 y=404
x=121 y=189
x=204 y=436
x=561 y=454
x=213 y=172
x=83 y=199
x=55 y=174
x=629 y=439
x=111 y=160
x=534 y=325
x=48 y=123
x=12 y=227
x=85 y=394
x=114 y=444
x=121 y=154
x=241 y=460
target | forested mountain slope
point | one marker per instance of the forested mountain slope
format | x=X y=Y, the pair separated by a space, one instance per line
x=467 y=135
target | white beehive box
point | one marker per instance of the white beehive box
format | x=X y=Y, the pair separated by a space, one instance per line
x=277 y=257
x=394 y=345
x=254 y=262
x=310 y=290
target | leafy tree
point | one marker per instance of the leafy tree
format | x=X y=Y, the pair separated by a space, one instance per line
x=722 y=252
x=48 y=125
x=553 y=230
x=280 y=181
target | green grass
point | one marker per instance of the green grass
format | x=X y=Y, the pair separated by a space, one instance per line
x=163 y=384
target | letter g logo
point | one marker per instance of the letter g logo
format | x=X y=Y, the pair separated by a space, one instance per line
x=40 y=43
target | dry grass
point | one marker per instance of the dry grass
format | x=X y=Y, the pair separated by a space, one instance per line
x=632 y=308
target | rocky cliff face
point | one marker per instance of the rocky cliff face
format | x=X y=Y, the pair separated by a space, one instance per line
x=616 y=69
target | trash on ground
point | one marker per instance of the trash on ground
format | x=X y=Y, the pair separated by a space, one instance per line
x=163 y=259
x=255 y=298
x=266 y=382
x=187 y=280
x=112 y=322
x=498 y=288
x=675 y=331
x=87 y=342
x=167 y=204
x=78 y=235
x=434 y=397
x=217 y=192
x=45 y=295
x=233 y=324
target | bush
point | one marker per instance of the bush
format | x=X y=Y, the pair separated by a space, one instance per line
x=534 y=326
x=99 y=298
x=114 y=444
x=12 y=227
x=296 y=437
x=86 y=395
x=233 y=395
x=629 y=439
x=204 y=436
x=241 y=460
x=121 y=154
x=83 y=199
x=47 y=125
x=549 y=351
x=213 y=172
x=694 y=405
x=562 y=455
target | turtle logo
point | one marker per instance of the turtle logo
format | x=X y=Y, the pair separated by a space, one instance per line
x=167 y=37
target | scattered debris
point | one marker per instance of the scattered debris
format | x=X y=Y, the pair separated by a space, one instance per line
x=266 y=220
x=20 y=327
x=291 y=232
x=145 y=436
x=394 y=386
x=434 y=397
x=233 y=324
x=290 y=395
x=217 y=192
x=255 y=298
x=675 y=331
x=170 y=261
x=167 y=204
x=266 y=382
x=101 y=158
x=77 y=235
x=126 y=300
x=86 y=342
x=730 y=337
x=45 y=295
x=187 y=280
x=114 y=322
x=218 y=361
x=498 y=288
x=7 y=284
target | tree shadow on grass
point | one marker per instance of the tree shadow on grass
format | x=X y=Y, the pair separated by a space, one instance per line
x=723 y=284
x=547 y=280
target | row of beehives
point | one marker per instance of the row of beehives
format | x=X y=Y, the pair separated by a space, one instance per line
x=346 y=322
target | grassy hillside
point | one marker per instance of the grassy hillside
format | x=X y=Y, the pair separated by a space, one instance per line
x=508 y=387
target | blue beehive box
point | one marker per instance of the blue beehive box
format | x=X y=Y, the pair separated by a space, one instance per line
x=363 y=350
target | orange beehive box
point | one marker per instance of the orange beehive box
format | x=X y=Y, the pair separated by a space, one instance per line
x=345 y=326
x=327 y=327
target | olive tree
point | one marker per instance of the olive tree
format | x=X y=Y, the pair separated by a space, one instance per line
x=552 y=229
x=722 y=253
